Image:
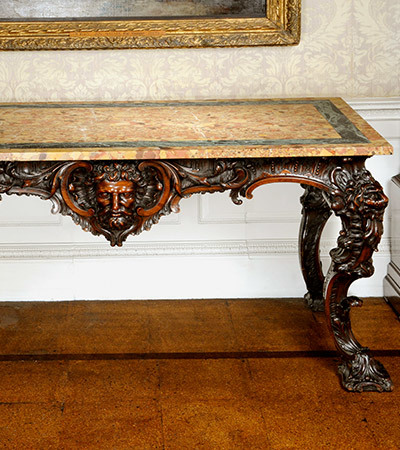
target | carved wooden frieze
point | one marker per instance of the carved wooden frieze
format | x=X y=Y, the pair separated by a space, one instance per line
x=119 y=198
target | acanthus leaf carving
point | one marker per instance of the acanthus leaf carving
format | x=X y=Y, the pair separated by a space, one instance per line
x=119 y=198
x=359 y=201
x=359 y=370
x=112 y=198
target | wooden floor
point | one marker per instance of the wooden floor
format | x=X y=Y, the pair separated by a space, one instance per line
x=236 y=374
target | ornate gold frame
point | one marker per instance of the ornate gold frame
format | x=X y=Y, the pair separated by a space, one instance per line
x=281 y=26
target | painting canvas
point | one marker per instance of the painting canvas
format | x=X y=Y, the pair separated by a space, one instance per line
x=85 y=9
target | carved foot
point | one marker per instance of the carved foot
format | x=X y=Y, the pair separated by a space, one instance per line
x=359 y=371
x=364 y=373
x=315 y=304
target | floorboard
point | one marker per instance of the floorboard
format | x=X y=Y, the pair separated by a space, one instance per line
x=223 y=374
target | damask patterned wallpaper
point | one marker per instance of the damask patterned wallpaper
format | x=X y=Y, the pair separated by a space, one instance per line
x=348 y=48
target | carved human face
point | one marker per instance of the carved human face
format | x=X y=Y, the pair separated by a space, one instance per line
x=116 y=200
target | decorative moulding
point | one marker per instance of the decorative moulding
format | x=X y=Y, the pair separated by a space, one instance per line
x=377 y=108
x=250 y=248
x=56 y=222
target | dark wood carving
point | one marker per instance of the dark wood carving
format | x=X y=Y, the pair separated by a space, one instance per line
x=315 y=213
x=121 y=198
x=359 y=370
x=360 y=203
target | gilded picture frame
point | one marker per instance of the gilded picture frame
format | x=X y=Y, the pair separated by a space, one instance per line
x=280 y=26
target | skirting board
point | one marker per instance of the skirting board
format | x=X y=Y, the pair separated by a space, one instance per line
x=391 y=288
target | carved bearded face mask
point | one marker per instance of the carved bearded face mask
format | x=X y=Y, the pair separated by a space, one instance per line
x=116 y=200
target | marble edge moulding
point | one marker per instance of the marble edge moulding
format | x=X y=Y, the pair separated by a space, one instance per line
x=280 y=26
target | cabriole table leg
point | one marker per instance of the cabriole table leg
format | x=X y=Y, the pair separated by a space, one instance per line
x=360 y=203
x=315 y=213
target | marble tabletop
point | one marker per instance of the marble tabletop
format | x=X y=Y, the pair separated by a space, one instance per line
x=185 y=130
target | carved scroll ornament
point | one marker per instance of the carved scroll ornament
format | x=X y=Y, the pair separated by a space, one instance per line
x=116 y=199
x=359 y=370
x=360 y=202
x=119 y=198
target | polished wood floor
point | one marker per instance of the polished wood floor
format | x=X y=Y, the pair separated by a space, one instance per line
x=234 y=374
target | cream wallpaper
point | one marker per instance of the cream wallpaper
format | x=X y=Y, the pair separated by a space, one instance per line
x=348 y=48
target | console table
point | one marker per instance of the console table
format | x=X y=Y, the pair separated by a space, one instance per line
x=116 y=168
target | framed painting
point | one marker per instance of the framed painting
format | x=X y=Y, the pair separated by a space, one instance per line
x=119 y=24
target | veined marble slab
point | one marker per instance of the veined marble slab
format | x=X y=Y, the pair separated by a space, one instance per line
x=198 y=129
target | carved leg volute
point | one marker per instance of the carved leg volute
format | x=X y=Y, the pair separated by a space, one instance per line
x=360 y=202
x=315 y=213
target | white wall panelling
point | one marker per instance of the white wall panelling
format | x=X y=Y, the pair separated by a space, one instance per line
x=213 y=249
